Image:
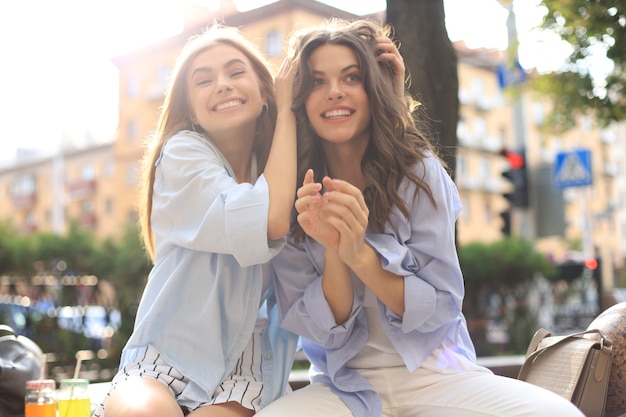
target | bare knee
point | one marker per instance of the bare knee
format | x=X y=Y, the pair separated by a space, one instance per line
x=141 y=397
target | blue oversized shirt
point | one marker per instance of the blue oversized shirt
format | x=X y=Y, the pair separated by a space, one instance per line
x=423 y=251
x=202 y=298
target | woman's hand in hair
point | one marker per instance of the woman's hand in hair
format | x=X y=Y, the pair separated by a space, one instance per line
x=284 y=85
x=387 y=51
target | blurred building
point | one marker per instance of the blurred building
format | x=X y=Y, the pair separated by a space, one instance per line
x=568 y=224
x=95 y=185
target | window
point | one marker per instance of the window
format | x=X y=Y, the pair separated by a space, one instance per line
x=480 y=127
x=156 y=90
x=273 y=44
x=502 y=134
x=132 y=86
x=487 y=212
x=484 y=167
x=108 y=206
x=109 y=168
x=131 y=175
x=132 y=217
x=478 y=88
x=31 y=219
x=23 y=185
x=87 y=172
x=461 y=165
x=86 y=207
x=132 y=130
x=163 y=76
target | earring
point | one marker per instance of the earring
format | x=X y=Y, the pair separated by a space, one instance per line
x=193 y=127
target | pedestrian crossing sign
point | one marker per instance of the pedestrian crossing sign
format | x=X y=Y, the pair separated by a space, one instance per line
x=573 y=169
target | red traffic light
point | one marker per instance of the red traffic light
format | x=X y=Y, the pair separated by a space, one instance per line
x=515 y=159
x=591 y=264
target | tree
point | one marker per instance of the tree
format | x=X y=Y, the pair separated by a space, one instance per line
x=504 y=269
x=121 y=263
x=431 y=64
x=592 y=29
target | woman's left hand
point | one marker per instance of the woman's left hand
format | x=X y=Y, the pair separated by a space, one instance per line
x=386 y=50
x=284 y=85
x=343 y=207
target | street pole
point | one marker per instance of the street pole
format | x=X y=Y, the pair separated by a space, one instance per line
x=522 y=219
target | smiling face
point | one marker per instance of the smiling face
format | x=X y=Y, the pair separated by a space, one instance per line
x=337 y=104
x=224 y=92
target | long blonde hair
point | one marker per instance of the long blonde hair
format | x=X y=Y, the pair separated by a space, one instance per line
x=175 y=114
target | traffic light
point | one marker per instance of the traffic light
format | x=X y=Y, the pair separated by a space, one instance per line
x=506 y=222
x=516 y=175
x=591 y=264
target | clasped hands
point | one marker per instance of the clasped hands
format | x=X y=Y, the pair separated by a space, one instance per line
x=336 y=218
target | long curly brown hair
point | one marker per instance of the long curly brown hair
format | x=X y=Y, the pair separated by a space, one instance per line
x=395 y=143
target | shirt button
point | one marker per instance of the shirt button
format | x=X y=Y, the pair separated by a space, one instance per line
x=268 y=356
x=384 y=250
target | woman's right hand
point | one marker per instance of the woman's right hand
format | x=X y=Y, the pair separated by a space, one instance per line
x=310 y=215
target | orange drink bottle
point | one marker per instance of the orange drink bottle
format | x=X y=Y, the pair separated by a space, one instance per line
x=40 y=400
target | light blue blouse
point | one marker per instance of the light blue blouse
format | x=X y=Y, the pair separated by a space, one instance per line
x=423 y=251
x=202 y=297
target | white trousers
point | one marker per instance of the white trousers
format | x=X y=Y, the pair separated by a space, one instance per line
x=425 y=393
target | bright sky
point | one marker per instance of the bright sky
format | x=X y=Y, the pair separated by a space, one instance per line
x=57 y=81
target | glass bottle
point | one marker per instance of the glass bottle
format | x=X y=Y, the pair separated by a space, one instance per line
x=73 y=398
x=40 y=400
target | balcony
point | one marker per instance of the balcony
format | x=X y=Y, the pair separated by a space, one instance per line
x=24 y=201
x=467 y=182
x=30 y=227
x=89 y=220
x=81 y=188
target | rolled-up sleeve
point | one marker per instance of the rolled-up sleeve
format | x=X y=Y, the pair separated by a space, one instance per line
x=302 y=305
x=423 y=251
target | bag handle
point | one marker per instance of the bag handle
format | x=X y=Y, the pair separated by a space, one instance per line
x=534 y=342
x=543 y=333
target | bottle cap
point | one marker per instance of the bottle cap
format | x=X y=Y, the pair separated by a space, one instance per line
x=40 y=384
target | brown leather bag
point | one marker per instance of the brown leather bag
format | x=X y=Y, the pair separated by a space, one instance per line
x=575 y=366
x=20 y=361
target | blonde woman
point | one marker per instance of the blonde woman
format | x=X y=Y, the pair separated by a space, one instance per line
x=218 y=187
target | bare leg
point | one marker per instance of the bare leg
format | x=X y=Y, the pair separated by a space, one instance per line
x=229 y=409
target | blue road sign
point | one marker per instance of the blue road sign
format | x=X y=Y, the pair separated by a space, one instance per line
x=573 y=169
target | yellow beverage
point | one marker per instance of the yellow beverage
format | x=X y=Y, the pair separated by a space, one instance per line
x=40 y=410
x=78 y=407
